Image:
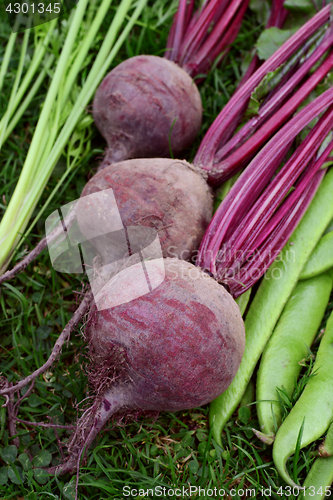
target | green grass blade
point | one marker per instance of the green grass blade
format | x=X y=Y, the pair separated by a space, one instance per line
x=33 y=91
x=7 y=57
x=15 y=86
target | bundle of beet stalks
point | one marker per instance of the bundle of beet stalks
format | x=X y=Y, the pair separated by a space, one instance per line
x=179 y=343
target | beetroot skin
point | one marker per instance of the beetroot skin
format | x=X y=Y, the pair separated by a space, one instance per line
x=177 y=347
x=183 y=341
x=137 y=103
x=168 y=195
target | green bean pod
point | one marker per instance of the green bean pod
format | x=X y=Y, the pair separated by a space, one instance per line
x=288 y=345
x=320 y=476
x=243 y=301
x=326 y=448
x=271 y=298
x=313 y=412
x=321 y=258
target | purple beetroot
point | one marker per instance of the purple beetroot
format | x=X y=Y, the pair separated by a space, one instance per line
x=177 y=347
x=149 y=106
x=144 y=107
x=170 y=196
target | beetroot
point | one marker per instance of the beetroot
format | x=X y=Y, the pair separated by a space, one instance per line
x=170 y=196
x=139 y=102
x=177 y=347
x=149 y=106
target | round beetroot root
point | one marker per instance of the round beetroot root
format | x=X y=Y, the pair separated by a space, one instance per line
x=145 y=105
x=181 y=343
x=170 y=196
x=177 y=347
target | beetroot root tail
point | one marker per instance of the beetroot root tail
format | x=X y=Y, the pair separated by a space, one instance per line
x=90 y=425
x=64 y=336
x=31 y=256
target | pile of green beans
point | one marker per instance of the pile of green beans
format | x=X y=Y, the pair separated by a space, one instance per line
x=279 y=369
x=291 y=302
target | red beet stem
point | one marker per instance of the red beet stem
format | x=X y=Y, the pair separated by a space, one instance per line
x=233 y=163
x=271 y=248
x=292 y=198
x=253 y=181
x=278 y=14
x=225 y=120
x=198 y=30
x=201 y=60
x=195 y=40
x=240 y=245
x=178 y=28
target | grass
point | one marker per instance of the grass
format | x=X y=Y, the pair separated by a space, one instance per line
x=169 y=450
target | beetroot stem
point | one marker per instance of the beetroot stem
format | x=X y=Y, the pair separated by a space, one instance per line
x=291 y=199
x=272 y=247
x=203 y=59
x=271 y=106
x=206 y=152
x=176 y=32
x=234 y=162
x=198 y=31
x=229 y=24
x=195 y=40
x=254 y=179
x=264 y=208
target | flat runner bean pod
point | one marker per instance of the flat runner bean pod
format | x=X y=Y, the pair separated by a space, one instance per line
x=288 y=345
x=271 y=298
x=319 y=479
x=313 y=412
x=320 y=476
x=321 y=258
x=326 y=448
x=243 y=301
x=329 y=227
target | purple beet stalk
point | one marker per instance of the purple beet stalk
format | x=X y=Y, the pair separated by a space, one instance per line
x=276 y=191
x=256 y=218
x=226 y=122
x=196 y=40
x=273 y=110
x=277 y=231
x=231 y=164
x=253 y=270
